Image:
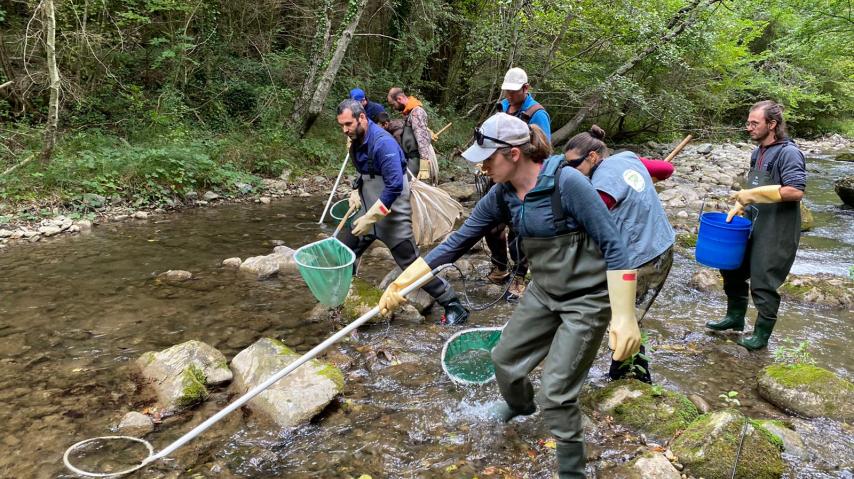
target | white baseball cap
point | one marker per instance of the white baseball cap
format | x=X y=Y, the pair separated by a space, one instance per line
x=498 y=131
x=514 y=79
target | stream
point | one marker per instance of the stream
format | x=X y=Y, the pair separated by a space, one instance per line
x=76 y=311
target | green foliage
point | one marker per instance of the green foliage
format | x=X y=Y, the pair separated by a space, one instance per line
x=791 y=355
x=730 y=399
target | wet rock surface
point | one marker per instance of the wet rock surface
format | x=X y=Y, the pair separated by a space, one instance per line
x=652 y=410
x=709 y=447
x=297 y=397
x=180 y=375
x=808 y=390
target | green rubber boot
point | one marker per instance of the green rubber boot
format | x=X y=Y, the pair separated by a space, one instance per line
x=570 y=460
x=736 y=308
x=761 y=333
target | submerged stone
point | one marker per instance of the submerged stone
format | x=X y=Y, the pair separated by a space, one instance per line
x=709 y=446
x=135 y=424
x=807 y=220
x=297 y=397
x=651 y=410
x=650 y=465
x=180 y=374
x=793 y=444
x=808 y=390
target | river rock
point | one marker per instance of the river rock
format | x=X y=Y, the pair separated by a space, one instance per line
x=363 y=297
x=808 y=390
x=210 y=196
x=844 y=188
x=650 y=465
x=231 y=263
x=180 y=374
x=460 y=190
x=285 y=258
x=708 y=448
x=4 y=233
x=420 y=299
x=706 y=280
x=807 y=219
x=140 y=215
x=700 y=403
x=297 y=397
x=793 y=444
x=176 y=276
x=262 y=267
x=651 y=410
x=135 y=424
x=705 y=149
x=821 y=289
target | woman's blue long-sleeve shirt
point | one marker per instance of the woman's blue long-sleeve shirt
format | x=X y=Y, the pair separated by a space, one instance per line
x=583 y=208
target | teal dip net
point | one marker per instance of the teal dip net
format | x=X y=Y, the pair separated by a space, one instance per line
x=467 y=355
x=327 y=268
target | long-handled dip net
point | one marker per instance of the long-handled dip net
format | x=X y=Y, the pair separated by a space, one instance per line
x=109 y=456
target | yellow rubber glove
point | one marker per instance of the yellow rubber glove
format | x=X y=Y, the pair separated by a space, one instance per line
x=738 y=209
x=760 y=194
x=363 y=225
x=391 y=298
x=355 y=200
x=424 y=169
x=624 y=337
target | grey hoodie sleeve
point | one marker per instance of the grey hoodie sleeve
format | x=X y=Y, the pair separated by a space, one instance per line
x=792 y=167
x=486 y=214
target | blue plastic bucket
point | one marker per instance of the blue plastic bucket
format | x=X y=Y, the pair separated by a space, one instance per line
x=720 y=244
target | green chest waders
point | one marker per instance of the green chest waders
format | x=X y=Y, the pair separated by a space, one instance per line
x=396 y=227
x=769 y=257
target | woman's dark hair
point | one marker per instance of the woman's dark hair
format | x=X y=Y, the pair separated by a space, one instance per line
x=537 y=149
x=773 y=112
x=590 y=140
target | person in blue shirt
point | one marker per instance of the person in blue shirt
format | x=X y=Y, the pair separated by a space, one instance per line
x=626 y=188
x=519 y=103
x=371 y=109
x=381 y=194
x=579 y=264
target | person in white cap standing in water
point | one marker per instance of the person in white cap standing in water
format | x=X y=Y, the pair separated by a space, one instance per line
x=519 y=103
x=579 y=264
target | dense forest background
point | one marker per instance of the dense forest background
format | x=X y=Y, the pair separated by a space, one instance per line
x=150 y=99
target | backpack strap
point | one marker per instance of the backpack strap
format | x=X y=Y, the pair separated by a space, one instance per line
x=558 y=214
x=526 y=115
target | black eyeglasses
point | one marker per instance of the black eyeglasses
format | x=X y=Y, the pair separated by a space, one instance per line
x=480 y=137
x=574 y=163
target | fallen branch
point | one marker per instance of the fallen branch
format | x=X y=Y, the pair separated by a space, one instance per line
x=8 y=83
x=678 y=148
x=15 y=167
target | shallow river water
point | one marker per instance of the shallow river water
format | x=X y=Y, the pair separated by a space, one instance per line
x=75 y=312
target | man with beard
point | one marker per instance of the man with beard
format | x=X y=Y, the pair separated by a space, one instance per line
x=775 y=186
x=381 y=194
x=416 y=140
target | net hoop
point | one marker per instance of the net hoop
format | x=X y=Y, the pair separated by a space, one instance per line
x=450 y=340
x=302 y=264
x=77 y=470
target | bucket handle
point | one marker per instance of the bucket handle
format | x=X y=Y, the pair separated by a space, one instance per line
x=752 y=222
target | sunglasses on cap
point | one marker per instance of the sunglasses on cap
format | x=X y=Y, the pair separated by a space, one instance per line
x=480 y=137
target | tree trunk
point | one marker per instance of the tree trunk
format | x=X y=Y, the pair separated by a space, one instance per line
x=553 y=49
x=354 y=14
x=320 y=49
x=53 y=74
x=683 y=18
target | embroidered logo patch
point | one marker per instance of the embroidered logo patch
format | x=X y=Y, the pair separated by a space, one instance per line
x=634 y=179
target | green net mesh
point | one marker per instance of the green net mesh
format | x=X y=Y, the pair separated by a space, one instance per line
x=340 y=209
x=466 y=356
x=327 y=268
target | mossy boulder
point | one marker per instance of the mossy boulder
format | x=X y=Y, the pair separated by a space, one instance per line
x=651 y=410
x=808 y=390
x=297 y=397
x=709 y=446
x=181 y=375
x=686 y=240
x=363 y=297
x=844 y=188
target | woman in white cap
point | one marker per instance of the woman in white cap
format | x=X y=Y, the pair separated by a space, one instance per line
x=578 y=261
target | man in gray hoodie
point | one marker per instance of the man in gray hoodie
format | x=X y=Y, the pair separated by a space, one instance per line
x=774 y=189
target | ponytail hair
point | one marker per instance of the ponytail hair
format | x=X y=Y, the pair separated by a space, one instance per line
x=537 y=149
x=590 y=140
